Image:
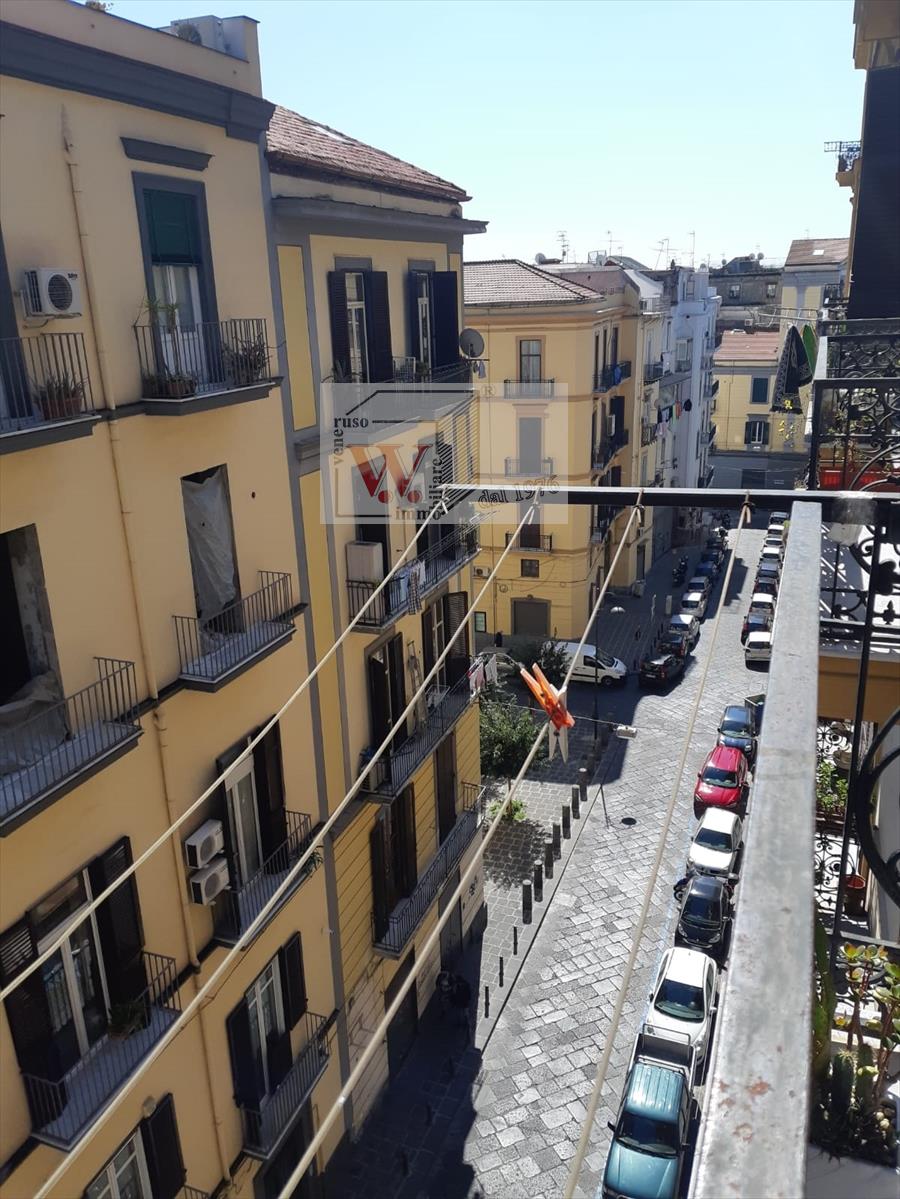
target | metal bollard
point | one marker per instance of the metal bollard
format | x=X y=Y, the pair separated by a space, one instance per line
x=501 y=970
x=538 y=881
x=566 y=821
x=576 y=801
x=526 y=901
x=515 y=940
x=557 y=839
x=583 y=784
x=487 y=1002
x=548 y=859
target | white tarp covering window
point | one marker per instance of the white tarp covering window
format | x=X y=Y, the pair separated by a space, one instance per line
x=207 y=513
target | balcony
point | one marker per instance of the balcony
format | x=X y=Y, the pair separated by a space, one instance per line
x=532 y=539
x=408 y=915
x=238 y=906
x=648 y=432
x=45 y=391
x=711 y=390
x=61 y=1109
x=64 y=741
x=711 y=435
x=432 y=567
x=539 y=389
x=445 y=702
x=612 y=376
x=211 y=364
x=530 y=468
x=653 y=371
x=212 y=652
x=265 y=1125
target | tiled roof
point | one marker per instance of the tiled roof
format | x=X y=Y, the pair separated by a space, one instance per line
x=738 y=346
x=510 y=281
x=818 y=251
x=297 y=145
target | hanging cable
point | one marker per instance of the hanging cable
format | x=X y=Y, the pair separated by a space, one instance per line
x=422 y=955
x=603 y=1064
x=282 y=890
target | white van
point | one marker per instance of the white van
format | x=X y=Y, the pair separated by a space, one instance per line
x=693 y=603
x=589 y=665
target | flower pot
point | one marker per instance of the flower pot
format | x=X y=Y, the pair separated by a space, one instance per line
x=58 y=404
x=855 y=895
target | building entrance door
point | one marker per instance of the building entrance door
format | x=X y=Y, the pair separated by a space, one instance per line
x=402 y=1029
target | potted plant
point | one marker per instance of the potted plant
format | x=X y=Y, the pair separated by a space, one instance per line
x=127 y=1018
x=831 y=795
x=855 y=895
x=170 y=383
x=248 y=362
x=61 y=397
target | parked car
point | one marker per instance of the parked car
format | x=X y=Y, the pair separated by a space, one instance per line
x=704 y=915
x=737 y=729
x=774 y=543
x=758 y=647
x=771 y=553
x=660 y=670
x=713 y=557
x=700 y=583
x=716 y=843
x=590 y=665
x=674 y=643
x=765 y=584
x=776 y=526
x=722 y=780
x=762 y=602
x=683 y=998
x=779 y=517
x=707 y=570
x=646 y=1156
x=694 y=603
x=755 y=622
x=688 y=626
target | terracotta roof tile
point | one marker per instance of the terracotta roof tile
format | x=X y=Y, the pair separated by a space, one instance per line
x=510 y=281
x=747 y=347
x=297 y=145
x=818 y=251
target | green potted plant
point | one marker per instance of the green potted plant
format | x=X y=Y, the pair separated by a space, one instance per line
x=61 y=397
x=831 y=795
x=126 y=1018
x=170 y=383
x=248 y=362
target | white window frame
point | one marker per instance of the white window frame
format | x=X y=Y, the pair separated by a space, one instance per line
x=757 y=425
x=357 y=332
x=734 y=291
x=110 y=1175
x=423 y=313
x=244 y=770
x=270 y=975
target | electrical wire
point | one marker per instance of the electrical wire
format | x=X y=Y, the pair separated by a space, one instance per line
x=603 y=1064
x=282 y=890
x=422 y=955
x=439 y=507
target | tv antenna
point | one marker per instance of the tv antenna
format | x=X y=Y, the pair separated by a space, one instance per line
x=693 y=236
x=563 y=239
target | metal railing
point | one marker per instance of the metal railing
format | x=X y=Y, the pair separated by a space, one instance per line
x=189 y=1192
x=653 y=371
x=431 y=568
x=711 y=435
x=612 y=376
x=405 y=369
x=43 y=379
x=712 y=389
x=408 y=915
x=530 y=467
x=68 y=736
x=445 y=702
x=263 y=1125
x=210 y=649
x=528 y=389
x=180 y=361
x=62 y=1108
x=648 y=432
x=238 y=906
x=753 y=1133
x=847 y=153
x=531 y=538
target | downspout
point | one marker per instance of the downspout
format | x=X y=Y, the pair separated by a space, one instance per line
x=107 y=396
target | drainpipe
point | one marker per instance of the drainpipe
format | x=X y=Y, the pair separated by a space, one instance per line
x=107 y=395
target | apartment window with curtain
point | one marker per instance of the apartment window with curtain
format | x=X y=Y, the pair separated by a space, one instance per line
x=149 y=1165
x=360 y=326
x=530 y=364
x=759 y=391
x=251 y=806
x=756 y=433
x=393 y=854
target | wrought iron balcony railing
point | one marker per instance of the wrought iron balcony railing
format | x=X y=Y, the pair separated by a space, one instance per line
x=43 y=380
x=711 y=434
x=531 y=538
x=238 y=906
x=264 y=1124
x=534 y=389
x=179 y=362
x=445 y=701
x=648 y=432
x=528 y=467
x=430 y=569
x=62 y=1108
x=408 y=915
x=711 y=389
x=48 y=752
x=215 y=649
x=653 y=371
x=847 y=153
x=612 y=376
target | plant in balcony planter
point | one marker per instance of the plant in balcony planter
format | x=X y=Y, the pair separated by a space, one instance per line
x=127 y=1018
x=169 y=381
x=831 y=793
x=61 y=397
x=248 y=363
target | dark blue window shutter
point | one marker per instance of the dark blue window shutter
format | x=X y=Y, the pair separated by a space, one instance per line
x=119 y=924
x=267 y=771
x=245 y=1067
x=412 y=313
x=293 y=980
x=378 y=327
x=162 y=1150
x=445 y=317
x=173 y=227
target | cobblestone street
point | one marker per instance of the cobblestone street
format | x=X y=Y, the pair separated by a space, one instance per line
x=500 y=1116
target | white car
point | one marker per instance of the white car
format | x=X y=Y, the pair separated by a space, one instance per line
x=693 y=603
x=716 y=843
x=683 y=999
x=776 y=528
x=761 y=601
x=699 y=583
x=774 y=543
x=589 y=665
x=771 y=553
x=758 y=647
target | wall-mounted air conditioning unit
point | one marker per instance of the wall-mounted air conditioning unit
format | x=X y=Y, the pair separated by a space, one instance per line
x=365 y=561
x=203 y=845
x=481 y=572
x=209 y=882
x=51 y=291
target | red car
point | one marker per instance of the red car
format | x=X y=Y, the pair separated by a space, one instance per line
x=721 y=782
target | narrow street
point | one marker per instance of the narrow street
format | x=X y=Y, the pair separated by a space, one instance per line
x=502 y=1117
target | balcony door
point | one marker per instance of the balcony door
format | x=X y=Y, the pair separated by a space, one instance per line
x=210 y=536
x=265 y=1014
x=531 y=439
x=387 y=691
x=445 y=782
x=530 y=360
x=251 y=808
x=243 y=813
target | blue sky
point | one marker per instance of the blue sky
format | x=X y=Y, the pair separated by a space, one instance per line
x=622 y=123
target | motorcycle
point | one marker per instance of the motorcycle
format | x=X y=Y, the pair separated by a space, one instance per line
x=679 y=574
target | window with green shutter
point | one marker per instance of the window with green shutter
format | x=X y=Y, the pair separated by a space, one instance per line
x=759 y=393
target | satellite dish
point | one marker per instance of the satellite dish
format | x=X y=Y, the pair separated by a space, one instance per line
x=760 y=256
x=471 y=343
x=540 y=259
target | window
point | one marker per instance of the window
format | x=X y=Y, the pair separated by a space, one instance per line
x=831 y=292
x=644 y=470
x=530 y=365
x=423 y=318
x=756 y=433
x=29 y=649
x=614 y=347
x=433 y=315
x=759 y=391
x=531 y=436
x=480 y=622
x=149 y=1165
x=392 y=844
x=684 y=353
x=387 y=691
x=530 y=568
x=360 y=326
x=440 y=622
x=689 y=288
x=251 y=808
x=771 y=289
x=734 y=291
x=356 y=326
x=207 y=514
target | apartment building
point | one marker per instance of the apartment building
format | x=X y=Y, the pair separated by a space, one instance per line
x=369 y=253
x=746 y=287
x=814 y=275
x=153 y=619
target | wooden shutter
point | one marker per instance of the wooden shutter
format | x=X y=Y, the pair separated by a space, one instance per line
x=617 y=414
x=278 y=1057
x=748 y=432
x=27 y=1008
x=397 y=683
x=340 y=333
x=615 y=477
x=445 y=317
x=173 y=228
x=381 y=882
x=765 y=433
x=162 y=1149
x=379 y=700
x=456 y=604
x=403 y=813
x=119 y=924
x=222 y=813
x=427 y=640
x=245 y=1069
x=614 y=347
x=412 y=313
x=378 y=326
x=293 y=979
x=269 y=778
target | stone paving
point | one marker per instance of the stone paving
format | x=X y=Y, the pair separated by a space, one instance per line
x=501 y=1117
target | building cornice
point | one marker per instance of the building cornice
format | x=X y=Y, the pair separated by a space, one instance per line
x=315 y=209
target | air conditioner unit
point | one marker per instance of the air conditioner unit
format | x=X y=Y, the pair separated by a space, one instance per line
x=481 y=572
x=209 y=882
x=52 y=291
x=365 y=561
x=203 y=845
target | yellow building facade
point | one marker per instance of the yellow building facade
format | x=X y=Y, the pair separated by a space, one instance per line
x=154 y=619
